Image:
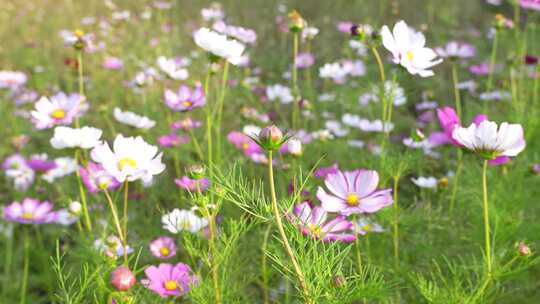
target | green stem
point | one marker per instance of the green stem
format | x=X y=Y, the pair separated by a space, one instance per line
x=456 y=180
x=487 y=233
x=457 y=96
x=220 y=108
x=491 y=66
x=208 y=122
x=82 y=193
x=26 y=262
x=7 y=263
x=116 y=220
x=264 y=266
x=294 y=78
x=198 y=149
x=80 y=79
x=126 y=201
x=396 y=222
x=288 y=249
x=358 y=254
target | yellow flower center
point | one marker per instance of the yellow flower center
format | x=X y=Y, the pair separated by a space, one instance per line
x=58 y=114
x=352 y=199
x=315 y=229
x=126 y=161
x=171 y=285
x=187 y=103
x=410 y=55
x=245 y=146
x=164 y=251
x=367 y=228
x=78 y=33
x=27 y=215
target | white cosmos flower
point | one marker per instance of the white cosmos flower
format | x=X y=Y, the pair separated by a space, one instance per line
x=219 y=45
x=133 y=119
x=425 y=182
x=279 y=92
x=64 y=166
x=66 y=137
x=491 y=141
x=408 y=48
x=172 y=68
x=178 y=220
x=130 y=159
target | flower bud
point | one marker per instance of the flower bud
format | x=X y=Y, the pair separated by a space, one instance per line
x=122 y=278
x=524 y=250
x=196 y=171
x=296 y=22
x=339 y=281
x=443 y=183
x=271 y=138
x=75 y=208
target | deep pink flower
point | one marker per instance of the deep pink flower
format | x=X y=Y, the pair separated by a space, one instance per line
x=185 y=99
x=169 y=280
x=95 y=178
x=163 y=247
x=481 y=69
x=354 y=192
x=40 y=164
x=322 y=172
x=122 y=278
x=244 y=143
x=172 y=140
x=313 y=222
x=30 y=211
x=191 y=184
x=530 y=4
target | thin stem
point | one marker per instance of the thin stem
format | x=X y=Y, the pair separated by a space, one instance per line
x=491 y=66
x=126 y=201
x=80 y=78
x=116 y=219
x=82 y=193
x=264 y=266
x=26 y=262
x=395 y=222
x=358 y=254
x=299 y=274
x=198 y=149
x=294 y=78
x=456 y=180
x=220 y=107
x=379 y=63
x=7 y=263
x=486 y=219
x=208 y=122
x=457 y=96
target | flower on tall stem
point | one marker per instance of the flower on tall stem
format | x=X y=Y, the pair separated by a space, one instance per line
x=96 y=179
x=133 y=119
x=191 y=184
x=163 y=247
x=313 y=221
x=59 y=109
x=408 y=49
x=169 y=280
x=219 y=45
x=454 y=50
x=180 y=220
x=112 y=247
x=353 y=192
x=30 y=211
x=185 y=99
x=84 y=138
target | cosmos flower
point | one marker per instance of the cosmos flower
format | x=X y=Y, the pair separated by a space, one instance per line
x=244 y=143
x=16 y=169
x=122 y=278
x=96 y=179
x=84 y=138
x=163 y=247
x=213 y=12
x=354 y=192
x=280 y=93
x=530 y=4
x=12 y=79
x=113 y=63
x=186 y=124
x=40 y=163
x=133 y=119
x=314 y=222
x=335 y=71
x=111 y=247
x=491 y=141
x=173 y=68
x=309 y=32
x=454 y=49
x=64 y=166
x=322 y=172
x=366 y=125
x=392 y=90
x=365 y=225
x=425 y=182
x=185 y=99
x=219 y=45
x=130 y=159
x=30 y=211
x=172 y=140
x=190 y=184
x=179 y=220
x=305 y=60
x=169 y=280
x=408 y=49
x=244 y=35
x=59 y=109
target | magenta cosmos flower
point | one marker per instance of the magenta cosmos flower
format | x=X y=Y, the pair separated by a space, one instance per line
x=354 y=192
x=169 y=280
x=96 y=179
x=322 y=172
x=186 y=124
x=191 y=184
x=314 y=222
x=59 y=109
x=305 y=60
x=163 y=247
x=449 y=121
x=530 y=4
x=185 y=99
x=30 y=211
x=244 y=143
x=172 y=140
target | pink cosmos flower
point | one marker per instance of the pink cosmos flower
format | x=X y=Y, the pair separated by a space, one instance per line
x=113 y=63
x=305 y=60
x=354 y=192
x=59 y=109
x=185 y=99
x=12 y=79
x=95 y=178
x=313 y=222
x=30 y=211
x=186 y=124
x=323 y=172
x=169 y=280
x=191 y=184
x=163 y=247
x=172 y=140
x=454 y=49
x=244 y=143
x=41 y=163
x=530 y=4
x=481 y=69
x=345 y=26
